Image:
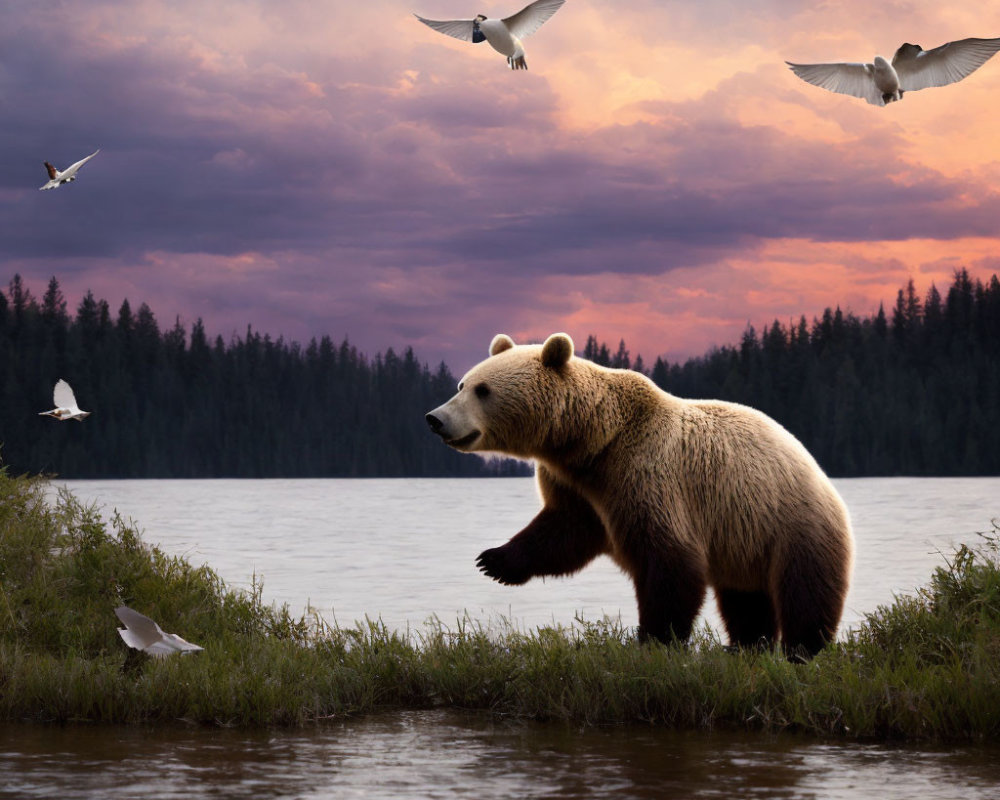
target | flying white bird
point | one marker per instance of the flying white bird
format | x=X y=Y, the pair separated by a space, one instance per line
x=57 y=178
x=912 y=68
x=141 y=633
x=66 y=407
x=504 y=35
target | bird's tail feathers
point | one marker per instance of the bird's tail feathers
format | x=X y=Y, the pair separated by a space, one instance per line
x=517 y=62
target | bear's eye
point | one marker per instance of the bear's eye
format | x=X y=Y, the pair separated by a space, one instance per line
x=461 y=386
x=482 y=391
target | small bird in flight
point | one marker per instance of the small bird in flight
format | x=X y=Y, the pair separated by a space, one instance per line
x=504 y=35
x=66 y=407
x=57 y=178
x=141 y=633
x=912 y=68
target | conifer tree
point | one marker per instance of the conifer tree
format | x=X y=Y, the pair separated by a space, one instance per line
x=919 y=395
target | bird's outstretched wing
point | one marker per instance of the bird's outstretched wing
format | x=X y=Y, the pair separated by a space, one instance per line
x=459 y=28
x=845 y=78
x=71 y=170
x=530 y=18
x=172 y=643
x=140 y=631
x=63 y=395
x=949 y=63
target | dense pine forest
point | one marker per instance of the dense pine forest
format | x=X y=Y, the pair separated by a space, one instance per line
x=912 y=392
x=174 y=404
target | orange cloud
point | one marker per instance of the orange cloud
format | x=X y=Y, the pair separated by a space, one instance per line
x=685 y=311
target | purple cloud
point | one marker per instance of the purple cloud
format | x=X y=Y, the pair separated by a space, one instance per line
x=307 y=184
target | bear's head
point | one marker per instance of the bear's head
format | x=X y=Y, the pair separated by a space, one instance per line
x=510 y=402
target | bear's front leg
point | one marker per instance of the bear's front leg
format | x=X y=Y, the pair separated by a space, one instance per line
x=510 y=564
x=564 y=537
x=550 y=545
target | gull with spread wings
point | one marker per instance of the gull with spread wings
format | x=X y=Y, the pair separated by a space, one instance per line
x=912 y=68
x=66 y=407
x=57 y=178
x=141 y=633
x=504 y=35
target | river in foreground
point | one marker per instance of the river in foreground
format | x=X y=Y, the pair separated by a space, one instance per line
x=447 y=755
x=404 y=551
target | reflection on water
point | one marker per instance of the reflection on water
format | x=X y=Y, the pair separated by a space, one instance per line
x=442 y=754
x=405 y=550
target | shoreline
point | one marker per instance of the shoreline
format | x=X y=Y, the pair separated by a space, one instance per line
x=925 y=668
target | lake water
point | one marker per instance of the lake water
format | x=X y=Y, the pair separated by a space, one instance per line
x=404 y=551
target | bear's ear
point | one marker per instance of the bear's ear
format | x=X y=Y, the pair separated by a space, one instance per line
x=557 y=350
x=500 y=343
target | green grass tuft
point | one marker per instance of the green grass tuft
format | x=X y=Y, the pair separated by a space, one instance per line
x=925 y=667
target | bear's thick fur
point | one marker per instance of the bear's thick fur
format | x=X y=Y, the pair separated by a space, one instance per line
x=682 y=494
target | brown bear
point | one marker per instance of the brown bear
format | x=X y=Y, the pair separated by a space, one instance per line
x=682 y=494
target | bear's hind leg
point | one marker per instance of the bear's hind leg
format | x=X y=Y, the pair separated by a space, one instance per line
x=670 y=592
x=748 y=617
x=810 y=600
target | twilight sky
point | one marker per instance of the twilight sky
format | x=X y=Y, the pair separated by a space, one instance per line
x=659 y=174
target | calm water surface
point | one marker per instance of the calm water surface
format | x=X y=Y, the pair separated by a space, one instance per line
x=404 y=551
x=444 y=755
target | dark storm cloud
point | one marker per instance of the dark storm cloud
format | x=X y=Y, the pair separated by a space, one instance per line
x=184 y=166
x=718 y=184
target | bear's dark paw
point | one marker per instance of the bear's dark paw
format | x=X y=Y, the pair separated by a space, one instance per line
x=498 y=564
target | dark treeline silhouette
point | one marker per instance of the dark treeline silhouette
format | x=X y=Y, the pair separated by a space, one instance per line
x=170 y=404
x=916 y=392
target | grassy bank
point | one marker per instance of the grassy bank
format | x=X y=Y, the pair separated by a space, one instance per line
x=928 y=667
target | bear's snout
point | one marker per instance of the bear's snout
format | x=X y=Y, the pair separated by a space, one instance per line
x=443 y=424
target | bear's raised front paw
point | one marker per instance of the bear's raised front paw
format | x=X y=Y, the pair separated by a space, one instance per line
x=498 y=564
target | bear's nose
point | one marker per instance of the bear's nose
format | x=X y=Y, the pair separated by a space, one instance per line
x=434 y=422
